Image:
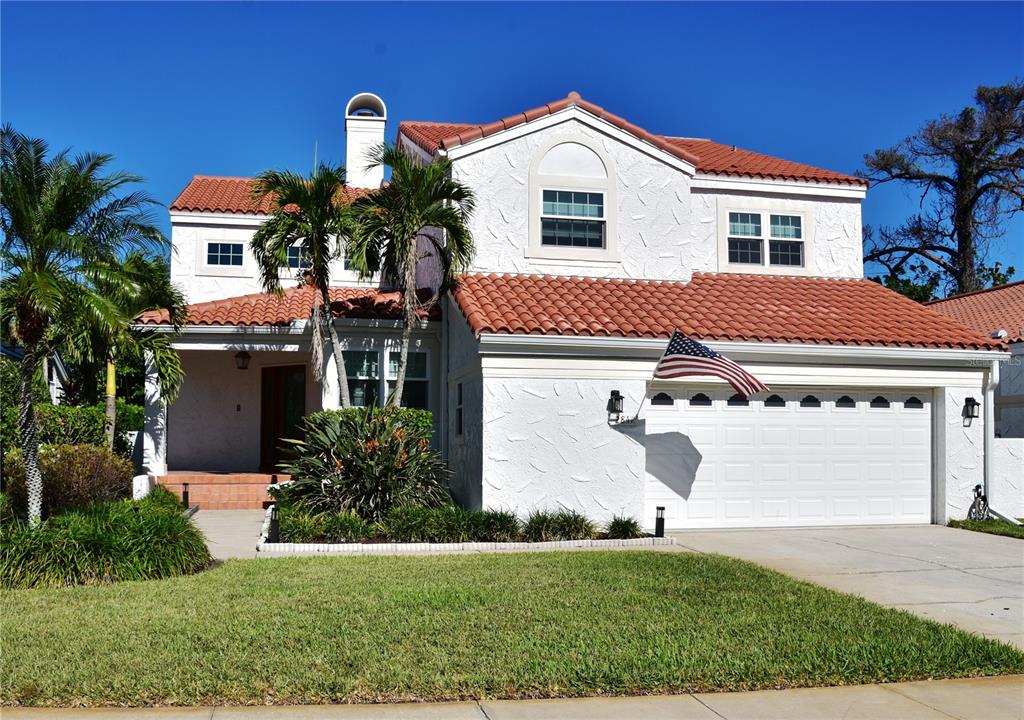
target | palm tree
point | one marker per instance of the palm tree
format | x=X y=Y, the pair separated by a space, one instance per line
x=150 y=289
x=67 y=224
x=421 y=212
x=310 y=213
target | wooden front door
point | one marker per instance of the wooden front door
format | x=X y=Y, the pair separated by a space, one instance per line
x=283 y=404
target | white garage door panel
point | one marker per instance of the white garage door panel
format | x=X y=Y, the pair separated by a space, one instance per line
x=758 y=466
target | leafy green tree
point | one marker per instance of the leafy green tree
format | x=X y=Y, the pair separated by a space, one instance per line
x=968 y=170
x=67 y=225
x=311 y=213
x=421 y=212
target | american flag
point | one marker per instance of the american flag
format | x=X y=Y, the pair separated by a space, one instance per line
x=685 y=356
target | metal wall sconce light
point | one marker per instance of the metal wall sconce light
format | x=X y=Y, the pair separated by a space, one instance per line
x=242 y=360
x=614 y=409
x=972 y=408
x=659 y=522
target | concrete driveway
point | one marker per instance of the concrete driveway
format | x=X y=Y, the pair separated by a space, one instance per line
x=973 y=580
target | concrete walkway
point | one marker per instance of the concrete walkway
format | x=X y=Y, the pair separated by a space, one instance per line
x=230 y=533
x=970 y=579
x=1000 y=698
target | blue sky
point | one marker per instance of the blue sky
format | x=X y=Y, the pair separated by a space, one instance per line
x=176 y=89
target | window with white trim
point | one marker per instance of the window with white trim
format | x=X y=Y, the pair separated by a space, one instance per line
x=222 y=253
x=371 y=381
x=298 y=258
x=572 y=218
x=745 y=239
x=749 y=231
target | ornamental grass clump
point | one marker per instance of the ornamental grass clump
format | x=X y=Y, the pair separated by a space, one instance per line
x=102 y=543
x=624 y=528
x=365 y=460
x=546 y=526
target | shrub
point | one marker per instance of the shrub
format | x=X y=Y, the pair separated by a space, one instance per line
x=129 y=417
x=624 y=528
x=299 y=526
x=6 y=510
x=70 y=425
x=73 y=476
x=448 y=524
x=499 y=526
x=368 y=460
x=406 y=523
x=543 y=526
x=103 y=543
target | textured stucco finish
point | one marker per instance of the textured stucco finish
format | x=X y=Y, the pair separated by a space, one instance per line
x=547 y=445
x=961 y=461
x=1006 y=489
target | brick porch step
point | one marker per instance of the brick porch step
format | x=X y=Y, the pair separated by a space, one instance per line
x=223 y=491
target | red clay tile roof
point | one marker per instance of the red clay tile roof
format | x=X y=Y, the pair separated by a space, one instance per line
x=712 y=306
x=293 y=304
x=708 y=156
x=998 y=308
x=209 y=193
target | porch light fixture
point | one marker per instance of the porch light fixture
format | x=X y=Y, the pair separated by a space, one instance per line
x=659 y=522
x=971 y=408
x=242 y=360
x=614 y=406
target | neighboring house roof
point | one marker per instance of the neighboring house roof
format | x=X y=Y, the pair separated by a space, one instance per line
x=293 y=304
x=712 y=306
x=208 y=193
x=707 y=156
x=987 y=311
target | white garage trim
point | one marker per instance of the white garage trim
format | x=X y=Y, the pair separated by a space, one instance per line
x=838 y=459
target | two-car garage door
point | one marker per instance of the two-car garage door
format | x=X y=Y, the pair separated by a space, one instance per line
x=799 y=457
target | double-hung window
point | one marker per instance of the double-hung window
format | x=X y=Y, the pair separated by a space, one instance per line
x=748 y=232
x=746 y=243
x=219 y=253
x=363 y=370
x=785 y=245
x=414 y=394
x=571 y=218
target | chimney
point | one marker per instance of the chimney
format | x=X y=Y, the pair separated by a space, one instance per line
x=365 y=118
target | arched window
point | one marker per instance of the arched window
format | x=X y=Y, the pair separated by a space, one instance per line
x=737 y=400
x=662 y=399
x=700 y=400
x=775 y=401
x=846 y=402
x=572 y=201
x=880 y=402
x=810 y=401
x=913 y=403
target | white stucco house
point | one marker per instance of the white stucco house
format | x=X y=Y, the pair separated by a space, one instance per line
x=595 y=238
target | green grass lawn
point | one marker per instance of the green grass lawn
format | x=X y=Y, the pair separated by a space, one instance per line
x=993 y=527
x=313 y=630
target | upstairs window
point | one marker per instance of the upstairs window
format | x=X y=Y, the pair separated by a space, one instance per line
x=297 y=257
x=745 y=241
x=573 y=219
x=786 y=247
x=218 y=253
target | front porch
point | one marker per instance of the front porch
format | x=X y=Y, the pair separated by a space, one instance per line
x=222 y=490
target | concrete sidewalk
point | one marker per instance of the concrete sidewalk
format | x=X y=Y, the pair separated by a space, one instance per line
x=230 y=533
x=999 y=698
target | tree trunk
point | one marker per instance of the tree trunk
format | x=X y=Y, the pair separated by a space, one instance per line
x=409 y=319
x=966 y=260
x=110 y=422
x=339 y=358
x=29 y=441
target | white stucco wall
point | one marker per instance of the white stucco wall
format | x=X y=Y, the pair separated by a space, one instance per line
x=215 y=422
x=1006 y=489
x=189 y=238
x=547 y=445
x=959 y=452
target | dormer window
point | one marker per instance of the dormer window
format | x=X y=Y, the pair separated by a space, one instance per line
x=785 y=247
x=573 y=219
x=759 y=235
x=745 y=240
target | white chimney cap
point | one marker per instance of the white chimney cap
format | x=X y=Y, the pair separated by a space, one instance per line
x=366 y=105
